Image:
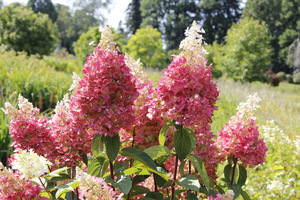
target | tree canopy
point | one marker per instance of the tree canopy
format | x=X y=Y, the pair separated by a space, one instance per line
x=43 y=6
x=146 y=44
x=247 y=53
x=23 y=30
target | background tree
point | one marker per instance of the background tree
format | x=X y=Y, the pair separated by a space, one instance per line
x=87 y=41
x=218 y=16
x=23 y=30
x=247 y=53
x=66 y=28
x=43 y=6
x=178 y=13
x=1 y=4
x=283 y=20
x=146 y=44
x=133 y=16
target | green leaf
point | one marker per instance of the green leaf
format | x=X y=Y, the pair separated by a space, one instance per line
x=98 y=166
x=55 y=173
x=242 y=175
x=164 y=132
x=154 y=195
x=157 y=151
x=182 y=144
x=60 y=178
x=67 y=187
x=112 y=145
x=124 y=182
x=245 y=195
x=138 y=155
x=131 y=171
x=191 y=196
x=190 y=181
x=159 y=180
x=138 y=190
x=227 y=171
x=181 y=168
x=98 y=146
x=192 y=137
x=199 y=165
x=237 y=190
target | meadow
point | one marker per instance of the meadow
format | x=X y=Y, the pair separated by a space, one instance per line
x=45 y=81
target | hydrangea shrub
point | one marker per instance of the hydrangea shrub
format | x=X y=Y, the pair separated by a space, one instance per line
x=115 y=136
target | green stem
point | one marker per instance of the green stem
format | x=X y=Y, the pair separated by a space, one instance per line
x=45 y=187
x=174 y=179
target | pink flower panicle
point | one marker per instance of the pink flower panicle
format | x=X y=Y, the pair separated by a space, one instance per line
x=240 y=136
x=16 y=186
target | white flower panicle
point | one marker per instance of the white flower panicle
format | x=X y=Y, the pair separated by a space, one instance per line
x=246 y=109
x=29 y=163
x=136 y=69
x=94 y=188
x=228 y=195
x=75 y=84
x=26 y=108
x=107 y=39
x=192 y=45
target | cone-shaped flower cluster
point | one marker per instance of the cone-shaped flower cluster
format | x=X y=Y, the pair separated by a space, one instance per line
x=187 y=94
x=240 y=137
x=16 y=186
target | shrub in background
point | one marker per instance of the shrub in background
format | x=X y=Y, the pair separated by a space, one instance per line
x=247 y=52
x=23 y=30
x=296 y=78
x=282 y=76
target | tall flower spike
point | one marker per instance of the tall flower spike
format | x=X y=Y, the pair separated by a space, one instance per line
x=136 y=69
x=192 y=47
x=107 y=39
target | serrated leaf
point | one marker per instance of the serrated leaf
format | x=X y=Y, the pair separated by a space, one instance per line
x=112 y=145
x=237 y=190
x=182 y=144
x=199 y=165
x=154 y=195
x=164 y=132
x=192 y=137
x=124 y=182
x=55 y=173
x=131 y=171
x=138 y=155
x=98 y=146
x=157 y=151
x=242 y=175
x=98 y=166
x=190 y=181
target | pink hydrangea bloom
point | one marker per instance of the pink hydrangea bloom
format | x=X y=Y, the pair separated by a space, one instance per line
x=187 y=93
x=28 y=129
x=240 y=136
x=105 y=96
x=15 y=186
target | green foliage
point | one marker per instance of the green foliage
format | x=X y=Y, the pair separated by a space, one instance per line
x=247 y=53
x=283 y=20
x=83 y=48
x=146 y=44
x=215 y=53
x=289 y=78
x=23 y=30
x=282 y=76
x=296 y=78
x=26 y=75
x=133 y=17
x=218 y=16
x=43 y=6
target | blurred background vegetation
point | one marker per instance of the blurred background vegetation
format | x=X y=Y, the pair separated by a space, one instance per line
x=250 y=43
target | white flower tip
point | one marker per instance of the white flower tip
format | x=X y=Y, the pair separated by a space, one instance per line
x=91 y=43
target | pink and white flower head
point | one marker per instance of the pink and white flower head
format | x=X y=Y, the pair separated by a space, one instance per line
x=186 y=91
x=240 y=137
x=104 y=99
